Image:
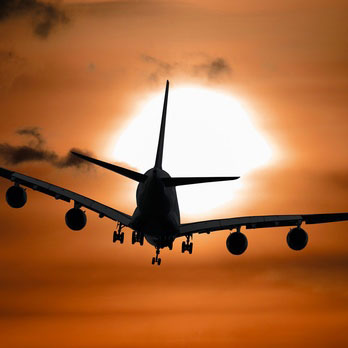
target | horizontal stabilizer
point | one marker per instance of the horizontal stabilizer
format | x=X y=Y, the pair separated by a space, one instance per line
x=123 y=171
x=196 y=180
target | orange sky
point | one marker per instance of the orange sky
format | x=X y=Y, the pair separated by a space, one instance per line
x=81 y=81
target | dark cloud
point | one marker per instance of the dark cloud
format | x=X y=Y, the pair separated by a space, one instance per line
x=35 y=151
x=12 y=154
x=214 y=68
x=72 y=161
x=211 y=68
x=45 y=16
x=32 y=132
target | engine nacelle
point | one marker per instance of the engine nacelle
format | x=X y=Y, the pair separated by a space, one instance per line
x=75 y=219
x=16 y=197
x=236 y=243
x=297 y=238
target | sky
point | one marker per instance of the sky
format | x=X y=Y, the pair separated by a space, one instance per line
x=73 y=75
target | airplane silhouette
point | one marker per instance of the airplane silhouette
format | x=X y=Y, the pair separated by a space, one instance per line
x=157 y=216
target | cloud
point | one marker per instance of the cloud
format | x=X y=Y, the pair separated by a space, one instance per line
x=45 y=16
x=35 y=151
x=161 y=68
x=214 y=68
x=210 y=68
x=33 y=132
x=11 y=66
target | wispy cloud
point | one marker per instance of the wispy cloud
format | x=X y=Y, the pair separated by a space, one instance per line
x=44 y=16
x=214 y=68
x=35 y=151
x=210 y=68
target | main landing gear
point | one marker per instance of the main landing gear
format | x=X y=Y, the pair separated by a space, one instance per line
x=187 y=246
x=118 y=235
x=156 y=259
x=137 y=237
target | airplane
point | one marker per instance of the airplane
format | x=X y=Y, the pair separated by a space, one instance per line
x=156 y=217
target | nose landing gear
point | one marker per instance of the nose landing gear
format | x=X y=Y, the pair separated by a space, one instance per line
x=156 y=259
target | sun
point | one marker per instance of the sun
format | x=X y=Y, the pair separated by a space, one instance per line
x=208 y=133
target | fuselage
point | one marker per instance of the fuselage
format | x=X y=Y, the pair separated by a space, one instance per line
x=157 y=214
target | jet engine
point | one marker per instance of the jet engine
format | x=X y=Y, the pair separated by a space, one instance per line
x=16 y=197
x=297 y=238
x=75 y=219
x=236 y=243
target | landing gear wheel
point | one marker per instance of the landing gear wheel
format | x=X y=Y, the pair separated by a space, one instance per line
x=156 y=259
x=187 y=246
x=118 y=235
x=183 y=247
x=137 y=237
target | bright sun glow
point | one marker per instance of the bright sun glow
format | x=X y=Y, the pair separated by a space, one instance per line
x=208 y=133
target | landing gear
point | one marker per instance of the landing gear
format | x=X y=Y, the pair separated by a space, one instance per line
x=187 y=246
x=156 y=259
x=118 y=235
x=137 y=237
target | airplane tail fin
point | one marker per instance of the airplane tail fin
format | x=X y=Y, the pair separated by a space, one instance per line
x=159 y=155
x=123 y=171
x=196 y=180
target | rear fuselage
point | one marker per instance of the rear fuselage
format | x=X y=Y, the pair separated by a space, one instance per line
x=157 y=214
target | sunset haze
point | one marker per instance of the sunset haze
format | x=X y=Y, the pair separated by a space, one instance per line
x=76 y=74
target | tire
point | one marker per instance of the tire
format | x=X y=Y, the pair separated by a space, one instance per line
x=133 y=237
x=183 y=247
x=190 y=248
x=114 y=238
x=159 y=262
x=153 y=260
x=122 y=238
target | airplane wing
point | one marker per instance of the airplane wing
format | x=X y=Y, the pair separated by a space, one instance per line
x=65 y=195
x=251 y=222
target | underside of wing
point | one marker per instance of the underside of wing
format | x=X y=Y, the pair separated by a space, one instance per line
x=251 y=222
x=65 y=195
